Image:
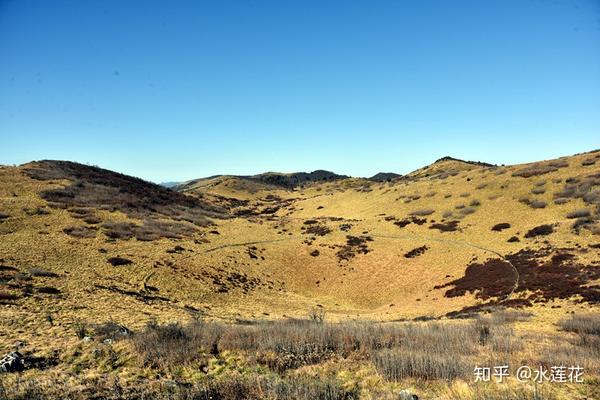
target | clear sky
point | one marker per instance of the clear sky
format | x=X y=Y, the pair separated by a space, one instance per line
x=174 y=90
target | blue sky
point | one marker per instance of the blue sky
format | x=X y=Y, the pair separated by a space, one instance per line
x=178 y=90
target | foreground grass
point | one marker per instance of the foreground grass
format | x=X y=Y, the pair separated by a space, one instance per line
x=313 y=359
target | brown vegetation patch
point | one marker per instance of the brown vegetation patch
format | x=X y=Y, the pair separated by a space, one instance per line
x=80 y=231
x=588 y=189
x=422 y=212
x=412 y=220
x=579 y=214
x=492 y=278
x=542 y=230
x=48 y=290
x=544 y=274
x=235 y=280
x=40 y=272
x=501 y=226
x=316 y=229
x=541 y=169
x=416 y=252
x=345 y=227
x=449 y=226
x=116 y=261
x=354 y=245
x=99 y=188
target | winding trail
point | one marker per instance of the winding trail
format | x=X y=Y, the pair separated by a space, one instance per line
x=224 y=246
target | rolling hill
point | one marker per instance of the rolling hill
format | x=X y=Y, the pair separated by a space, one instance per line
x=80 y=243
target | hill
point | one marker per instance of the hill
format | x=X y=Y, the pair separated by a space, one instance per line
x=84 y=244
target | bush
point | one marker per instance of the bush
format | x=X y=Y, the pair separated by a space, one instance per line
x=168 y=346
x=111 y=330
x=39 y=272
x=537 y=204
x=117 y=261
x=501 y=226
x=119 y=230
x=579 y=214
x=541 y=230
x=422 y=212
x=316 y=314
x=398 y=365
x=540 y=169
x=582 y=324
x=468 y=210
x=80 y=329
x=7 y=296
x=475 y=203
x=80 y=231
x=538 y=190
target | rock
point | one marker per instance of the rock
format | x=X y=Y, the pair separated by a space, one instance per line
x=108 y=341
x=12 y=362
x=87 y=339
x=406 y=395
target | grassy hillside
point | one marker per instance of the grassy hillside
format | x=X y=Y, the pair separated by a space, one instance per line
x=80 y=246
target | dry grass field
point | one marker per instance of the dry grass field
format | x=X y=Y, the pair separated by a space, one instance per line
x=301 y=285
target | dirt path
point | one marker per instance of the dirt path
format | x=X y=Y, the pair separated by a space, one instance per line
x=224 y=246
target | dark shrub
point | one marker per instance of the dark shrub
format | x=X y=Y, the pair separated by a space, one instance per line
x=119 y=230
x=501 y=226
x=41 y=273
x=540 y=169
x=579 y=214
x=537 y=204
x=416 y=252
x=48 y=290
x=422 y=212
x=538 y=190
x=116 y=261
x=319 y=230
x=111 y=330
x=541 y=230
x=7 y=296
x=468 y=210
x=80 y=231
